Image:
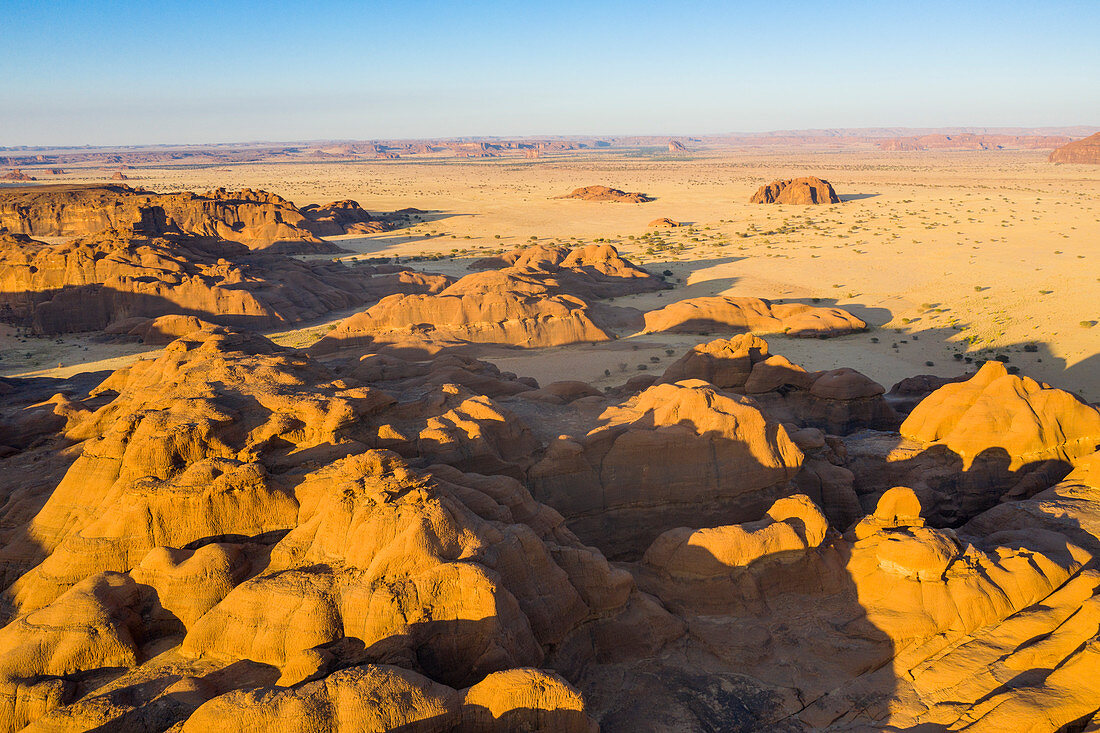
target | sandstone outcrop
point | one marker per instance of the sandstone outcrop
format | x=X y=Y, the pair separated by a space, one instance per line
x=806 y=190
x=605 y=193
x=1030 y=421
x=726 y=313
x=341 y=217
x=257 y=219
x=115 y=276
x=227 y=493
x=971 y=444
x=237 y=535
x=16 y=175
x=664 y=222
x=1086 y=150
x=721 y=456
x=837 y=400
x=538 y=297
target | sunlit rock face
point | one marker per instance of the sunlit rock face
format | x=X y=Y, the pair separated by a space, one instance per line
x=258 y=219
x=239 y=535
x=805 y=190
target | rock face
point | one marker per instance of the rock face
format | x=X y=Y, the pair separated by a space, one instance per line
x=806 y=190
x=1079 y=151
x=603 y=193
x=341 y=217
x=724 y=313
x=1030 y=421
x=839 y=401
x=971 y=141
x=92 y=283
x=237 y=535
x=721 y=456
x=227 y=505
x=969 y=445
x=539 y=297
x=257 y=219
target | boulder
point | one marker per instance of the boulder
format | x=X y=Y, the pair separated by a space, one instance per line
x=806 y=190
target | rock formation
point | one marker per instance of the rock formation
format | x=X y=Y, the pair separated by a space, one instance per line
x=1079 y=151
x=117 y=276
x=227 y=506
x=707 y=315
x=241 y=536
x=721 y=456
x=16 y=175
x=840 y=401
x=538 y=297
x=603 y=193
x=806 y=190
x=970 y=444
x=257 y=219
x=664 y=222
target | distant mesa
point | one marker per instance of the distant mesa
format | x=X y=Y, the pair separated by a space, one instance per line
x=1079 y=151
x=57 y=172
x=675 y=146
x=972 y=141
x=258 y=219
x=604 y=193
x=16 y=175
x=806 y=190
x=664 y=221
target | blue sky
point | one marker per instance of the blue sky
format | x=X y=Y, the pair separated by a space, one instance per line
x=98 y=73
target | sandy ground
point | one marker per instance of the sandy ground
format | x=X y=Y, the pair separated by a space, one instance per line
x=949 y=256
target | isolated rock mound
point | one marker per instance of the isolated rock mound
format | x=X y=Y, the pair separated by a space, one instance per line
x=807 y=190
x=92 y=283
x=257 y=219
x=604 y=193
x=719 y=313
x=16 y=175
x=1086 y=150
x=664 y=222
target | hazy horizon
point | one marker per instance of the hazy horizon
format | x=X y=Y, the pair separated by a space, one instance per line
x=106 y=74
